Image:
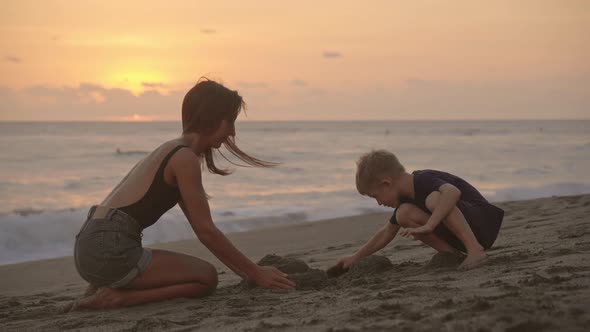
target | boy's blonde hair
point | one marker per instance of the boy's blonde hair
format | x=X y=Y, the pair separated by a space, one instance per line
x=373 y=166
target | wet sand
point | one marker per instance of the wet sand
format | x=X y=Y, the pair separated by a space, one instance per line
x=537 y=279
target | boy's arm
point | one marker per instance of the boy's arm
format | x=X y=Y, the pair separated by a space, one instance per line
x=447 y=196
x=378 y=241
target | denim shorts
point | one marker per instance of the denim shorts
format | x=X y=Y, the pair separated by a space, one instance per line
x=108 y=249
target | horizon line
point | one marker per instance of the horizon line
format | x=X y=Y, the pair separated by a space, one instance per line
x=303 y=120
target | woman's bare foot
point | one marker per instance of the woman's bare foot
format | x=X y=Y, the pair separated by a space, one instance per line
x=473 y=260
x=90 y=290
x=103 y=298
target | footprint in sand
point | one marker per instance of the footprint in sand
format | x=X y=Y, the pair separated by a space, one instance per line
x=342 y=246
x=565 y=269
x=445 y=260
x=153 y=324
x=530 y=326
x=535 y=279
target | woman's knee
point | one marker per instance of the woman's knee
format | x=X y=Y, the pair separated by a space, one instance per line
x=205 y=282
x=210 y=276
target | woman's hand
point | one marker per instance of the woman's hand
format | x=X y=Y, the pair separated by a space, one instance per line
x=271 y=277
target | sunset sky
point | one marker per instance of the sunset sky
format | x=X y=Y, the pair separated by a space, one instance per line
x=303 y=60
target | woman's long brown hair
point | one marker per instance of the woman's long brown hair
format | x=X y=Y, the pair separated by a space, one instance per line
x=204 y=107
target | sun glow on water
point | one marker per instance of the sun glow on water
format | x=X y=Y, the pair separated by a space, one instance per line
x=132 y=118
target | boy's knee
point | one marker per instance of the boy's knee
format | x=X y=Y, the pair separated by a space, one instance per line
x=432 y=200
x=404 y=215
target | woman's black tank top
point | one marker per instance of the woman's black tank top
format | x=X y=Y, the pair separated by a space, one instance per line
x=159 y=198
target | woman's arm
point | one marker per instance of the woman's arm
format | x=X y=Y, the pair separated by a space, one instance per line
x=229 y=264
x=187 y=171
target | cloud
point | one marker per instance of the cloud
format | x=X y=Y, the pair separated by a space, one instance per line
x=153 y=85
x=86 y=102
x=299 y=83
x=415 y=98
x=421 y=83
x=251 y=85
x=331 y=54
x=425 y=99
x=557 y=97
x=13 y=59
x=208 y=31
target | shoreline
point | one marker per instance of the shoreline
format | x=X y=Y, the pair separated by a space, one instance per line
x=245 y=240
x=536 y=279
x=264 y=226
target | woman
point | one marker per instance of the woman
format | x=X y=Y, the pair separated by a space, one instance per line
x=108 y=251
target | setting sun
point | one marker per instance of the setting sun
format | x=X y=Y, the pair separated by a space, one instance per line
x=135 y=80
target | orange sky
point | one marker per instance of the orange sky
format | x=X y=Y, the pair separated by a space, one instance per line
x=340 y=59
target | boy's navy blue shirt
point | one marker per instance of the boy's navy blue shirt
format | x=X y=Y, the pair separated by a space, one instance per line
x=429 y=180
x=484 y=218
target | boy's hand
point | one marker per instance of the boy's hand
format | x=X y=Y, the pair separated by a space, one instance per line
x=347 y=261
x=271 y=277
x=341 y=267
x=424 y=229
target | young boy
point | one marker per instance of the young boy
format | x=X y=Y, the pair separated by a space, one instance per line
x=437 y=208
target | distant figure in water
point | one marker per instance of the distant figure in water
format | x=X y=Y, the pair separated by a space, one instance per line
x=442 y=210
x=108 y=250
x=130 y=152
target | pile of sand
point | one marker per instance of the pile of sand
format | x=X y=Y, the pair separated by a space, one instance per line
x=304 y=277
x=307 y=278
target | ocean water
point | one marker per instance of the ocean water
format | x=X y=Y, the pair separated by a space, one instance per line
x=50 y=173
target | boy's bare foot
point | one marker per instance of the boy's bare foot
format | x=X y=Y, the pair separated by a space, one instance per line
x=473 y=260
x=103 y=298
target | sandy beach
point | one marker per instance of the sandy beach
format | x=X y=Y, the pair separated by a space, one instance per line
x=537 y=279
